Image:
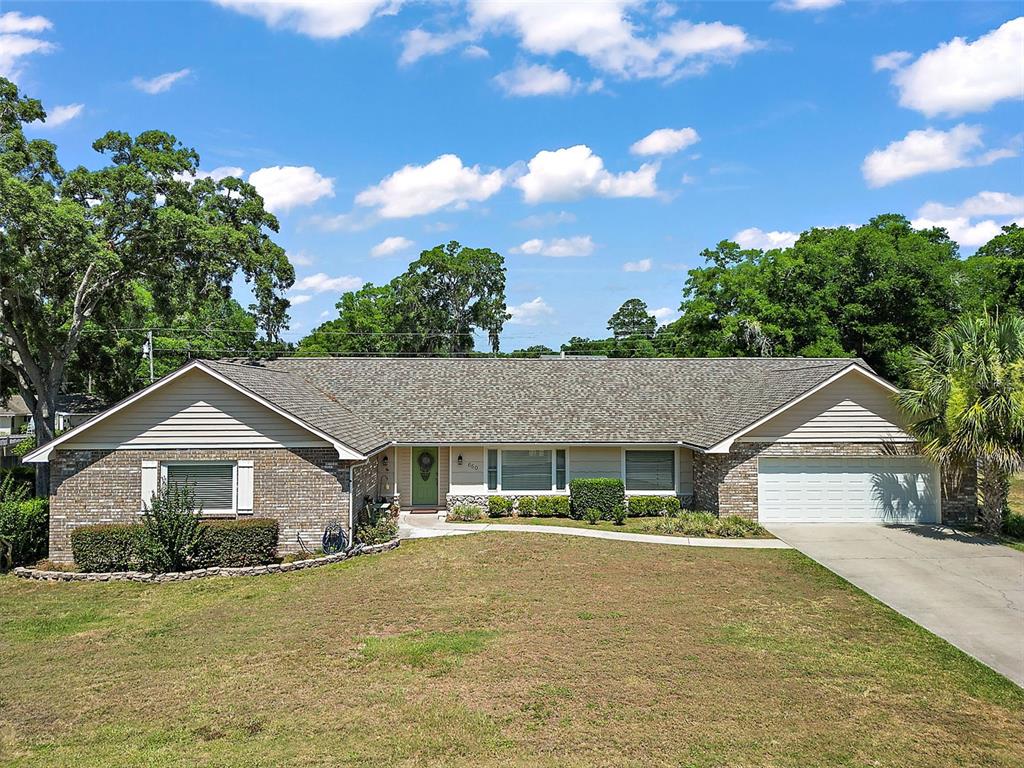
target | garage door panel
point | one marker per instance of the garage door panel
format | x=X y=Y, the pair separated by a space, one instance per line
x=847 y=489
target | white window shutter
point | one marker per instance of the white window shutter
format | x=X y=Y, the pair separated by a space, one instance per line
x=150 y=477
x=245 y=480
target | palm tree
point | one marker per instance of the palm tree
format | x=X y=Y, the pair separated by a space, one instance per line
x=966 y=405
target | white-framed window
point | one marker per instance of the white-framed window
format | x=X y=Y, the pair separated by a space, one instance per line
x=214 y=482
x=526 y=469
x=650 y=470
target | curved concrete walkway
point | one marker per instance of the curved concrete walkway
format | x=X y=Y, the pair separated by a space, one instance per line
x=421 y=526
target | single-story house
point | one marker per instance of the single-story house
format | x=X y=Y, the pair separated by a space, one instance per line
x=305 y=440
x=72 y=410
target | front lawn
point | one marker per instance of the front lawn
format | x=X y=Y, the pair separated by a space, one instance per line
x=1016 y=503
x=632 y=524
x=490 y=650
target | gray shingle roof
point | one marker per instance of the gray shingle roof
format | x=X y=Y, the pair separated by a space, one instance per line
x=365 y=402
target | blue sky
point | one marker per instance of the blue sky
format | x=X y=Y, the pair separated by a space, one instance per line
x=599 y=147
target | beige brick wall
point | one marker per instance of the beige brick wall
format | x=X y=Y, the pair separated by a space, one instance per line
x=726 y=483
x=303 y=488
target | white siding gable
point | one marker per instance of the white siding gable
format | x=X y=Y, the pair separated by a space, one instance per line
x=851 y=409
x=195 y=411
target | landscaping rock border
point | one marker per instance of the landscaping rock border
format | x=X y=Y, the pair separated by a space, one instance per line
x=205 y=573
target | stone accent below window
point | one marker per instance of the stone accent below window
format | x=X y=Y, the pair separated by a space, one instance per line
x=304 y=489
x=726 y=483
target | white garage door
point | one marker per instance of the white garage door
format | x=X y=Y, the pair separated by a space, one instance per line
x=847 y=490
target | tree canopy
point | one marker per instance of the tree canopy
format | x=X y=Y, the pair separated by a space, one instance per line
x=76 y=246
x=435 y=307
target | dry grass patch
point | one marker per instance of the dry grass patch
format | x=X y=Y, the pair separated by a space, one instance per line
x=494 y=649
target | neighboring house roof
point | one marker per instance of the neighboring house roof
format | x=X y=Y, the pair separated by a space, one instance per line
x=77 y=403
x=699 y=402
x=364 y=404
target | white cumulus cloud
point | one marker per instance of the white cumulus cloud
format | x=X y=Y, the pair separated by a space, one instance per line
x=420 y=189
x=18 y=39
x=891 y=60
x=806 y=5
x=323 y=19
x=754 y=237
x=535 y=80
x=284 y=187
x=966 y=223
x=930 y=150
x=298 y=299
x=322 y=283
x=665 y=141
x=619 y=37
x=665 y=315
x=643 y=265
x=530 y=312
x=62 y=114
x=160 y=83
x=13 y=22
x=960 y=76
x=558 y=247
x=575 y=172
x=390 y=246
x=418 y=43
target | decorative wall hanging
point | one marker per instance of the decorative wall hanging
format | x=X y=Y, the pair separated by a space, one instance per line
x=426 y=463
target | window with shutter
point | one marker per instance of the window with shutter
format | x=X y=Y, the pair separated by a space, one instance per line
x=650 y=470
x=214 y=484
x=526 y=470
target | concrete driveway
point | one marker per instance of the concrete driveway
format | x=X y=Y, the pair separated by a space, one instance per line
x=963 y=588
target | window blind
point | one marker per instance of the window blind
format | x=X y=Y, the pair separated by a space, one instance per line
x=213 y=483
x=526 y=470
x=650 y=470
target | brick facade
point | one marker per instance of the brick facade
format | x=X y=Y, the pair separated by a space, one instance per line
x=303 y=488
x=726 y=483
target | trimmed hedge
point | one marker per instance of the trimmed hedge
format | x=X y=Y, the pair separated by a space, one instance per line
x=224 y=543
x=499 y=506
x=103 y=548
x=527 y=506
x=24 y=532
x=602 y=493
x=237 y=543
x=651 y=506
x=552 y=506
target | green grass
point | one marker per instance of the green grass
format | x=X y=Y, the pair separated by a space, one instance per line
x=494 y=650
x=632 y=524
x=1016 y=502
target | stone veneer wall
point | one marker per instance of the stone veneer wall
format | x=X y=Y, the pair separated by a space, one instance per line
x=726 y=483
x=304 y=489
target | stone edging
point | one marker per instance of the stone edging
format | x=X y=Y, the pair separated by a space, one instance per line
x=204 y=573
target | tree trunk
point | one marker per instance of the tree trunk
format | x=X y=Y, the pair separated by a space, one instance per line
x=993 y=490
x=44 y=419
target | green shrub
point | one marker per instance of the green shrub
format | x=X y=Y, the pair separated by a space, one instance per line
x=24 y=532
x=1013 y=525
x=592 y=516
x=652 y=506
x=552 y=506
x=601 y=493
x=104 y=548
x=499 y=506
x=619 y=514
x=171 y=530
x=237 y=543
x=380 y=532
x=527 y=506
x=463 y=513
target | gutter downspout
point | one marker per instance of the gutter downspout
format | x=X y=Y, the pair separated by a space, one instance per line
x=351 y=494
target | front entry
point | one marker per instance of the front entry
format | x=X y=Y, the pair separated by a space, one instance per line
x=424 y=477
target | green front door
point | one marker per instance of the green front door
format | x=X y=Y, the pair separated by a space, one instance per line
x=424 y=477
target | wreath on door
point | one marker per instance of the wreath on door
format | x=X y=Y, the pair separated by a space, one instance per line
x=426 y=462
